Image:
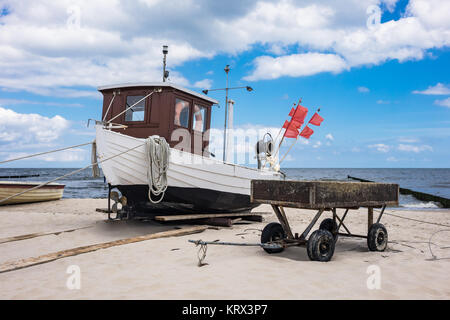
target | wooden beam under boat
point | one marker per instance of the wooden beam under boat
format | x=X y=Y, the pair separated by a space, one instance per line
x=206 y=216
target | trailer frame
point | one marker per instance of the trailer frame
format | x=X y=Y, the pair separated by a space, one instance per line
x=323 y=196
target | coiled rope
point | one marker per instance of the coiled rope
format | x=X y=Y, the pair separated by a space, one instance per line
x=157 y=154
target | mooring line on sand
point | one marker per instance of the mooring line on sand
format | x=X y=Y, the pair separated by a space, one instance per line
x=416 y=220
x=38 y=234
x=28 y=262
x=433 y=256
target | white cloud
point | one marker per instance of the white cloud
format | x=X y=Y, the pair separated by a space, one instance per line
x=407 y=140
x=414 y=148
x=438 y=89
x=295 y=65
x=390 y=4
x=29 y=128
x=72 y=155
x=277 y=49
x=392 y=159
x=380 y=147
x=383 y=101
x=120 y=41
x=9 y=102
x=203 y=84
x=363 y=89
x=329 y=136
x=444 y=102
x=317 y=144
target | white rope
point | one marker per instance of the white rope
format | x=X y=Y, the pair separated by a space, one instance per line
x=110 y=104
x=157 y=154
x=46 y=152
x=67 y=174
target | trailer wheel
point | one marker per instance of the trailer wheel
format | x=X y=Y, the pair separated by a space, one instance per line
x=330 y=225
x=320 y=246
x=273 y=232
x=377 y=237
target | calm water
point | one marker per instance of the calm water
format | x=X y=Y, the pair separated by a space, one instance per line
x=433 y=181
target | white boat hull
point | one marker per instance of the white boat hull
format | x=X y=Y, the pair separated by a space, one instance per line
x=188 y=174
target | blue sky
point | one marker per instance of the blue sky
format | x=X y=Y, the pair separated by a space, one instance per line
x=383 y=89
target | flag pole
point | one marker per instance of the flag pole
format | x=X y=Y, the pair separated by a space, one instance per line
x=282 y=139
x=288 y=151
x=318 y=110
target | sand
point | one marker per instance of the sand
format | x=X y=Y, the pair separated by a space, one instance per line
x=167 y=268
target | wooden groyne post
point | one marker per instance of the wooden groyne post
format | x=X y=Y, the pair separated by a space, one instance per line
x=418 y=195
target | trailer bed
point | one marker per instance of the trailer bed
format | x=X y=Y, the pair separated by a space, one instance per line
x=324 y=194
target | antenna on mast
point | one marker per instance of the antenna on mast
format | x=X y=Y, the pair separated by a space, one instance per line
x=165 y=51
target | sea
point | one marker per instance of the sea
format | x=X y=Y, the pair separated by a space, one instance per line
x=432 y=181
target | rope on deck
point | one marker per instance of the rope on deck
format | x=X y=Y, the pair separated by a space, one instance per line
x=157 y=155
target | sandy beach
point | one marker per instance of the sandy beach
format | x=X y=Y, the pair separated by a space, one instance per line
x=167 y=268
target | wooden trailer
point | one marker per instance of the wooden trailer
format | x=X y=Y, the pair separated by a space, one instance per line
x=322 y=196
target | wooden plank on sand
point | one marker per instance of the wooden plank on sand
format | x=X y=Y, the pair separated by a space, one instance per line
x=38 y=234
x=205 y=216
x=28 y=262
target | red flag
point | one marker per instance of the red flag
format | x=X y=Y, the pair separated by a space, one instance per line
x=298 y=113
x=291 y=132
x=292 y=112
x=306 y=132
x=296 y=124
x=291 y=128
x=316 y=119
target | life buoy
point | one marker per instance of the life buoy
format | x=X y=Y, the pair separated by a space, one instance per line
x=180 y=108
x=199 y=121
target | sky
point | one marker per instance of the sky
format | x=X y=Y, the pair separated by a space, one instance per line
x=378 y=70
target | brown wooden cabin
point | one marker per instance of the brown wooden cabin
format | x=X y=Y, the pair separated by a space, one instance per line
x=161 y=113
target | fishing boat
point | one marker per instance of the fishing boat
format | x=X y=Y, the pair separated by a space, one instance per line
x=196 y=180
x=52 y=191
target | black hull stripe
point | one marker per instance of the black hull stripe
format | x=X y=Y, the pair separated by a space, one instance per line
x=187 y=200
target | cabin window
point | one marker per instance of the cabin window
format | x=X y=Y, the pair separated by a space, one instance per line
x=136 y=113
x=199 y=118
x=181 y=113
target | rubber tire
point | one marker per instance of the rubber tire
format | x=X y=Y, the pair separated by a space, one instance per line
x=377 y=237
x=314 y=246
x=330 y=225
x=273 y=231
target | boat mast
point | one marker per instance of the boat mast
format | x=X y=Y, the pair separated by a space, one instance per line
x=227 y=69
x=165 y=52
